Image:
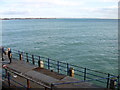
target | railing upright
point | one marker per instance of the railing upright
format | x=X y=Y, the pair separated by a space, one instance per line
x=8 y=79
x=33 y=59
x=67 y=69
x=58 y=66
x=19 y=55
x=39 y=57
x=108 y=79
x=52 y=87
x=27 y=57
x=118 y=84
x=39 y=61
x=48 y=63
x=84 y=74
x=22 y=55
x=28 y=84
x=6 y=73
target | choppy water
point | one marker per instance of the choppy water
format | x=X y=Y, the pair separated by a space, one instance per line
x=91 y=43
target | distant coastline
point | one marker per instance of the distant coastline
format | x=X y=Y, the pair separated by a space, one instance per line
x=47 y=18
x=23 y=18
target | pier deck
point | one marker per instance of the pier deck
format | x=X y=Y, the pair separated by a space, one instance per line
x=44 y=76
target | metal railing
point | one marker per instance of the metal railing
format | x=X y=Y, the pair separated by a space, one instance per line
x=8 y=77
x=81 y=73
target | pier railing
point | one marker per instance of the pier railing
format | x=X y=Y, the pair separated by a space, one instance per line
x=83 y=74
x=24 y=82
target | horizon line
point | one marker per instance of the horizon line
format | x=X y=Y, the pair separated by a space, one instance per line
x=53 y=18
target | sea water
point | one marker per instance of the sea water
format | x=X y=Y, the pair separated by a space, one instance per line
x=91 y=43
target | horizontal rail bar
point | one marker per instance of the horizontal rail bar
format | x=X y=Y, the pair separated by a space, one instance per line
x=78 y=75
x=94 y=75
x=79 y=71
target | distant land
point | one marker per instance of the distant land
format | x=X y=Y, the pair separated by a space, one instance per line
x=48 y=18
x=23 y=18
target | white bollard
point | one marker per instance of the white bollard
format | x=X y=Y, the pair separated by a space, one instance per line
x=71 y=72
x=41 y=64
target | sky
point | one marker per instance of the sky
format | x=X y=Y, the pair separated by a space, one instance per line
x=59 y=8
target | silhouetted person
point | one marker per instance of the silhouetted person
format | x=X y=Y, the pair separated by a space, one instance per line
x=3 y=52
x=9 y=55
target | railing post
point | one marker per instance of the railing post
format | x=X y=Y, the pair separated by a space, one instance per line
x=27 y=57
x=6 y=73
x=39 y=61
x=39 y=57
x=52 y=86
x=2 y=53
x=33 y=59
x=46 y=88
x=112 y=84
x=28 y=83
x=48 y=63
x=58 y=66
x=67 y=69
x=108 y=80
x=20 y=55
x=84 y=74
x=118 y=82
x=8 y=79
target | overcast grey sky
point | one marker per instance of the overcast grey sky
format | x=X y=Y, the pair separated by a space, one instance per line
x=59 y=8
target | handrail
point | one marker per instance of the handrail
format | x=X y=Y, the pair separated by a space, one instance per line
x=62 y=62
x=21 y=75
x=83 y=81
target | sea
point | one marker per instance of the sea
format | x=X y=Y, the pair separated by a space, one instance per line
x=90 y=43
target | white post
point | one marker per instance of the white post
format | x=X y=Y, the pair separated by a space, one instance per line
x=41 y=64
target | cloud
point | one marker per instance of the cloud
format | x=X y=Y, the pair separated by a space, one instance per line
x=48 y=2
x=58 y=8
x=103 y=1
x=66 y=3
x=108 y=12
x=110 y=0
x=100 y=12
x=13 y=12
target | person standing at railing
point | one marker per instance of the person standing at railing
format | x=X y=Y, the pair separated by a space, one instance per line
x=3 y=52
x=10 y=55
